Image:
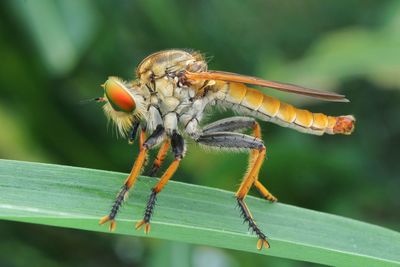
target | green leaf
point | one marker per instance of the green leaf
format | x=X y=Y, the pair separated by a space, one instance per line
x=77 y=197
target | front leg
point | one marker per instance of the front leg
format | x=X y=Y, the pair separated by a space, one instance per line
x=178 y=148
x=151 y=141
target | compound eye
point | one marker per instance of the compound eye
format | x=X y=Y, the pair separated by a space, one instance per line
x=118 y=95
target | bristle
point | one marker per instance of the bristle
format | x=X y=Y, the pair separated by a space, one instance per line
x=122 y=120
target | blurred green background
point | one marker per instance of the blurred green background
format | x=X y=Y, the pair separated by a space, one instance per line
x=53 y=54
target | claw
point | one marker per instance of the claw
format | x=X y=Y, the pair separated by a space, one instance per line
x=271 y=199
x=105 y=219
x=139 y=225
x=261 y=243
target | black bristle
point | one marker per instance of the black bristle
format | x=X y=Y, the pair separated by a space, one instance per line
x=247 y=218
x=118 y=201
x=150 y=206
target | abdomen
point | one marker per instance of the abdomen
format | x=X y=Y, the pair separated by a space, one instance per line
x=246 y=100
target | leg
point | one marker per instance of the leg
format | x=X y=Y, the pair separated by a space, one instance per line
x=248 y=180
x=229 y=125
x=129 y=182
x=260 y=187
x=178 y=148
x=239 y=123
x=159 y=158
x=264 y=191
x=258 y=151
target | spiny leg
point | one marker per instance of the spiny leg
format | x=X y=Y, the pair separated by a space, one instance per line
x=238 y=140
x=178 y=148
x=162 y=153
x=144 y=146
x=128 y=183
x=239 y=123
x=248 y=217
x=248 y=180
x=153 y=196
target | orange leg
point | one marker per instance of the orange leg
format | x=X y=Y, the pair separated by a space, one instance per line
x=178 y=147
x=129 y=182
x=152 y=200
x=264 y=191
x=220 y=134
x=162 y=153
x=253 y=155
x=247 y=182
x=251 y=176
x=136 y=169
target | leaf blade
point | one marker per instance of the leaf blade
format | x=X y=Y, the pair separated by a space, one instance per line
x=77 y=197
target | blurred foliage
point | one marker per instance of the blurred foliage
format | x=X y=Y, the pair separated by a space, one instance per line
x=56 y=53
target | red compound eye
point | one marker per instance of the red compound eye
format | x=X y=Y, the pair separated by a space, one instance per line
x=118 y=95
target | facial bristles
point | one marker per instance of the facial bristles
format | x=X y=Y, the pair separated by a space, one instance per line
x=121 y=120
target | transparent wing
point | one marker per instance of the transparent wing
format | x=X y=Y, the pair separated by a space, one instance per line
x=286 y=87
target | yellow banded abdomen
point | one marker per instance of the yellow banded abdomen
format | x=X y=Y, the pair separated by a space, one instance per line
x=252 y=102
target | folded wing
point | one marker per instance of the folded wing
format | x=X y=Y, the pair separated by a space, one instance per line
x=286 y=87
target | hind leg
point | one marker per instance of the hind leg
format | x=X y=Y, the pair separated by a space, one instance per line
x=238 y=140
x=253 y=155
x=238 y=123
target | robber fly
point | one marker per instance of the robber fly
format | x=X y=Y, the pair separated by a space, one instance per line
x=168 y=100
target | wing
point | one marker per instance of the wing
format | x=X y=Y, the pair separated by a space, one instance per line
x=286 y=87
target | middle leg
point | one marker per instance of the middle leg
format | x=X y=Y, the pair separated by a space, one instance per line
x=178 y=148
x=162 y=153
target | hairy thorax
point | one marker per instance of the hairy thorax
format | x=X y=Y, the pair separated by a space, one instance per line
x=174 y=103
